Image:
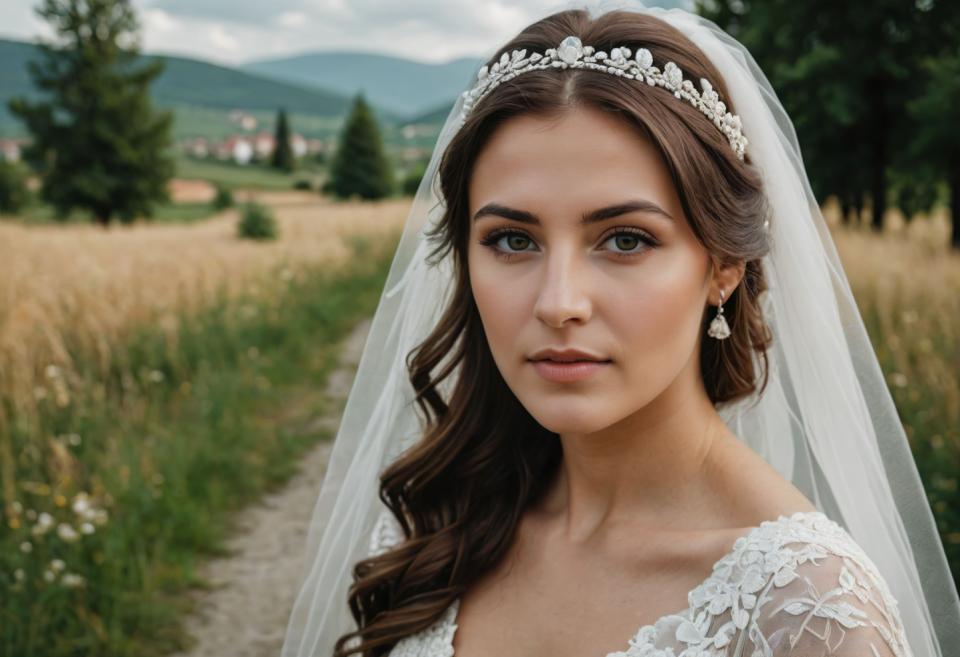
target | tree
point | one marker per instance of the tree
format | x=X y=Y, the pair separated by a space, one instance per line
x=843 y=72
x=935 y=152
x=97 y=142
x=360 y=166
x=282 y=152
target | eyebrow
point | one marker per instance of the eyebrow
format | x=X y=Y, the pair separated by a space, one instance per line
x=594 y=216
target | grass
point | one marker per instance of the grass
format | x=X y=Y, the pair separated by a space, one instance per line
x=251 y=176
x=154 y=453
x=39 y=213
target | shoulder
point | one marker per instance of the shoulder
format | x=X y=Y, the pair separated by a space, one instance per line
x=819 y=593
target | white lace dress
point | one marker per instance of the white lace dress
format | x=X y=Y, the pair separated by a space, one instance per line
x=797 y=586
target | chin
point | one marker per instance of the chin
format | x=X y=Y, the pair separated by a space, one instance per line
x=565 y=415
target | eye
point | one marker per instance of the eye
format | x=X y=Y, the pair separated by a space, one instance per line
x=515 y=239
x=631 y=238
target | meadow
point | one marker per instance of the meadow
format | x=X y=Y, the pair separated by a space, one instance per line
x=156 y=377
x=153 y=378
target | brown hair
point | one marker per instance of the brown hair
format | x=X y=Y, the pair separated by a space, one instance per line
x=460 y=492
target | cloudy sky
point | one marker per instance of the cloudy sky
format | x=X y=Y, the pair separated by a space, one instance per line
x=235 y=31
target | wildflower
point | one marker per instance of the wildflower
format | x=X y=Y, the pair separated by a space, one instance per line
x=17 y=507
x=72 y=580
x=156 y=376
x=44 y=524
x=52 y=371
x=67 y=532
x=57 y=565
x=19 y=575
x=49 y=575
x=81 y=503
x=87 y=528
x=100 y=516
x=26 y=547
x=74 y=439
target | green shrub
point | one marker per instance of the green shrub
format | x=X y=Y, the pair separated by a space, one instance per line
x=302 y=184
x=411 y=181
x=13 y=188
x=257 y=222
x=224 y=198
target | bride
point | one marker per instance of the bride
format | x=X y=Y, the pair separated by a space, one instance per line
x=650 y=420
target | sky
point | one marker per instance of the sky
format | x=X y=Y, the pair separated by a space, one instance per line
x=235 y=31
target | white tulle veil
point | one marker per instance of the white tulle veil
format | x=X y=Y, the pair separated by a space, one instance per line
x=826 y=420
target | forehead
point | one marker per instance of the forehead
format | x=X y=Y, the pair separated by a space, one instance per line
x=569 y=163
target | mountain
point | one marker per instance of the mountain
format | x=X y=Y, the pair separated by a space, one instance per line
x=192 y=83
x=402 y=85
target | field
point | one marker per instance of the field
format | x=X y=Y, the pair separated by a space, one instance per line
x=156 y=377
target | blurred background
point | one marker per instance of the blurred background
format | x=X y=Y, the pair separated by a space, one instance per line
x=199 y=203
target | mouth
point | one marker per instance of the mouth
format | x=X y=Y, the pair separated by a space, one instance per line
x=567 y=371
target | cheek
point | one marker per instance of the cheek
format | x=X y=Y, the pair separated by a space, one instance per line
x=657 y=328
x=501 y=303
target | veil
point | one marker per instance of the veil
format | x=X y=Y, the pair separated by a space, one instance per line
x=826 y=420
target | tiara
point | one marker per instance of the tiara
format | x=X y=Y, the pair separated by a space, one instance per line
x=571 y=53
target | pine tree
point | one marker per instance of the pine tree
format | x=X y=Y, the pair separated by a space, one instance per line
x=360 y=165
x=97 y=142
x=282 y=152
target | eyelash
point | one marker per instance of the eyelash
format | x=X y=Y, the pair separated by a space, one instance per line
x=491 y=239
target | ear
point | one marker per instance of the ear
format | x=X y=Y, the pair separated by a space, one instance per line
x=726 y=278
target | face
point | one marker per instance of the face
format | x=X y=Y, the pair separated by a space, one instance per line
x=629 y=286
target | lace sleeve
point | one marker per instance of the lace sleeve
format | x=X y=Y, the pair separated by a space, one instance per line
x=829 y=604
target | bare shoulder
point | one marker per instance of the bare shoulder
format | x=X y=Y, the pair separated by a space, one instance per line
x=756 y=490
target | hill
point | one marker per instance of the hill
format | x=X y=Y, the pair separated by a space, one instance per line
x=192 y=83
x=402 y=85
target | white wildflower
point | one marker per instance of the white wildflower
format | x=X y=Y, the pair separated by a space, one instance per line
x=87 y=528
x=67 y=533
x=26 y=547
x=57 y=565
x=72 y=580
x=81 y=502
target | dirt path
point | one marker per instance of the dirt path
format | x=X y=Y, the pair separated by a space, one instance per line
x=246 y=612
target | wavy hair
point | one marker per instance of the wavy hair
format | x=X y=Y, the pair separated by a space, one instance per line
x=460 y=492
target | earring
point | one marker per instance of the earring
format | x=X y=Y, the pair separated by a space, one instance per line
x=719 y=328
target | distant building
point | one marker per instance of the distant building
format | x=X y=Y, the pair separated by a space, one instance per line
x=10 y=149
x=243 y=119
x=236 y=148
x=298 y=145
x=197 y=147
x=263 y=144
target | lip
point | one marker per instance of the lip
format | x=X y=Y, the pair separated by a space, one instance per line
x=568 y=372
x=565 y=355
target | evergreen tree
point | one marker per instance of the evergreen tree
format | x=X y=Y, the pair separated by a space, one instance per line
x=97 y=142
x=282 y=152
x=360 y=165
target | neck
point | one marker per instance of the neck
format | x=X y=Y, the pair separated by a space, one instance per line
x=651 y=468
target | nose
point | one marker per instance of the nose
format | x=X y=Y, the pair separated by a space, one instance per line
x=563 y=293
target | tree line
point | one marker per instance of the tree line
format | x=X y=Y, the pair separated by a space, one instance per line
x=873 y=91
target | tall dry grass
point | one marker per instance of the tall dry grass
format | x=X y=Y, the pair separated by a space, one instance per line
x=907 y=285
x=91 y=287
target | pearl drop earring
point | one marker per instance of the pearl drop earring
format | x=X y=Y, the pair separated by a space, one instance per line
x=719 y=328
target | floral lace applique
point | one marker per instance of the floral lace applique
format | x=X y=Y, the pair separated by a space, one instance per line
x=797 y=586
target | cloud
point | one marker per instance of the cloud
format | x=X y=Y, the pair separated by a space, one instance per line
x=236 y=31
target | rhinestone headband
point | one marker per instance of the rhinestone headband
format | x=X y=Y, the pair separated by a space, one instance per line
x=571 y=53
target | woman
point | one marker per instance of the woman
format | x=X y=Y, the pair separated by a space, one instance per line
x=620 y=188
